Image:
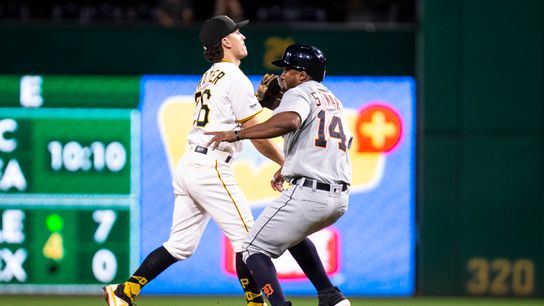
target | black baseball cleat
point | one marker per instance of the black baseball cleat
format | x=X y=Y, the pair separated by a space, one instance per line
x=115 y=296
x=332 y=297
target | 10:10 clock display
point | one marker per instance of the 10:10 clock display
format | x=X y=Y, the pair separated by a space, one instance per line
x=98 y=156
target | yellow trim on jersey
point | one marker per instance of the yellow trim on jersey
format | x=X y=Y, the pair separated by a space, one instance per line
x=231 y=198
x=249 y=117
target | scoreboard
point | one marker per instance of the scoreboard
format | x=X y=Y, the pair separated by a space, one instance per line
x=69 y=182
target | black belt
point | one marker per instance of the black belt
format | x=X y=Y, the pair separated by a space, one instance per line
x=204 y=150
x=321 y=186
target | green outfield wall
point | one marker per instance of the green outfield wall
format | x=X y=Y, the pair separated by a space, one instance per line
x=481 y=158
x=48 y=49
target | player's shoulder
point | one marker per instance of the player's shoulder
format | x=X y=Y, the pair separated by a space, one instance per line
x=310 y=86
x=303 y=89
x=230 y=68
x=292 y=93
x=237 y=77
x=295 y=95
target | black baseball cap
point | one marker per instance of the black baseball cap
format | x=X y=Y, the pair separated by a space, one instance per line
x=215 y=28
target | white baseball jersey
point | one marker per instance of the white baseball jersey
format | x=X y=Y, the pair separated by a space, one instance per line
x=319 y=148
x=204 y=183
x=224 y=98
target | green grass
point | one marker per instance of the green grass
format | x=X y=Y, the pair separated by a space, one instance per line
x=11 y=300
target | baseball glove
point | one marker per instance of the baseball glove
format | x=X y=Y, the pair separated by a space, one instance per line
x=269 y=92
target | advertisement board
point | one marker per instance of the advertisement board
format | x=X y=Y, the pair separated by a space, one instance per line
x=370 y=251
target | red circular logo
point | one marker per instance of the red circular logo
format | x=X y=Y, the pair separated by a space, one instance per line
x=378 y=128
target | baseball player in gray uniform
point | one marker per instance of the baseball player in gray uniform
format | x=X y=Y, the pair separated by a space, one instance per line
x=317 y=164
x=203 y=182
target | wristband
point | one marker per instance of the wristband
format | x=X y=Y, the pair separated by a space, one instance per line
x=237 y=134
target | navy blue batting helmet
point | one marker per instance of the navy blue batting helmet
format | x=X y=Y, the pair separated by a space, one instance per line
x=304 y=57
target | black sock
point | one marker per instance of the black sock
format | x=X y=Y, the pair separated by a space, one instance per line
x=156 y=262
x=252 y=292
x=264 y=273
x=307 y=258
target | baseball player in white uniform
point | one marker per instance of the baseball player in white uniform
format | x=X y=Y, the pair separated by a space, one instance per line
x=317 y=164
x=204 y=183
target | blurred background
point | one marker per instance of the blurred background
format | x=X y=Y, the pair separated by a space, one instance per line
x=158 y=37
x=171 y=13
x=478 y=70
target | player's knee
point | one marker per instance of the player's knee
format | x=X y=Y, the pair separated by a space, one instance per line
x=177 y=251
x=251 y=249
x=245 y=255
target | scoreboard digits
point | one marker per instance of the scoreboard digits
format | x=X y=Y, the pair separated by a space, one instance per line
x=63 y=246
x=73 y=156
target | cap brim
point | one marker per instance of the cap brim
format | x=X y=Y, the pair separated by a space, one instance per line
x=241 y=24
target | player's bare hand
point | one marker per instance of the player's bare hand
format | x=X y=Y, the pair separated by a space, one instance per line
x=219 y=137
x=277 y=181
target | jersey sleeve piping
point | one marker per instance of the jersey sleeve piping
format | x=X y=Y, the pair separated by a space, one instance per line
x=249 y=117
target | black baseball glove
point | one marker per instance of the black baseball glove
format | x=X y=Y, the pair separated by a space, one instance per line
x=269 y=92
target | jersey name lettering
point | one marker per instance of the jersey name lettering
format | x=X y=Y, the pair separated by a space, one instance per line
x=325 y=99
x=212 y=76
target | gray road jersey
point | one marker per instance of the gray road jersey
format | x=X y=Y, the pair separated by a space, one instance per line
x=319 y=149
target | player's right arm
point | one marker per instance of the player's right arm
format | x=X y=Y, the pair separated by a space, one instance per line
x=278 y=125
